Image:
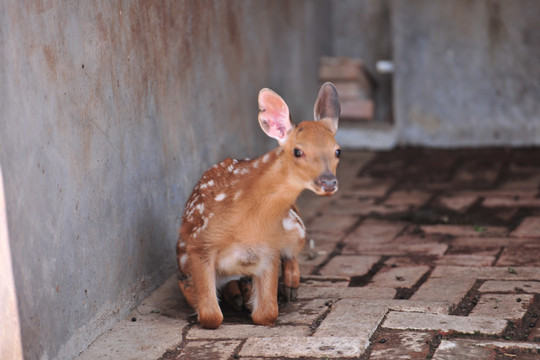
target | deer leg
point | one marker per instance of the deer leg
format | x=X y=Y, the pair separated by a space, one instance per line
x=246 y=288
x=184 y=278
x=264 y=299
x=204 y=276
x=233 y=295
x=186 y=286
x=291 y=278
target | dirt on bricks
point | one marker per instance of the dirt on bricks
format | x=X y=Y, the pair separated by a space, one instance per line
x=422 y=254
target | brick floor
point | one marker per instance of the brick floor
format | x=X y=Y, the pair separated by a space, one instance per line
x=422 y=254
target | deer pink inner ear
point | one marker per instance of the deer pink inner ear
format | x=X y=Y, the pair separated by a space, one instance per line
x=275 y=114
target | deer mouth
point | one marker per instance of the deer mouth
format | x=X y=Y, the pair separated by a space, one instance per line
x=325 y=185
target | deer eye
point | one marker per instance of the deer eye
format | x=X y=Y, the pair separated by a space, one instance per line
x=297 y=152
x=338 y=153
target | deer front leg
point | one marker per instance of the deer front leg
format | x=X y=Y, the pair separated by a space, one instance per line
x=204 y=279
x=291 y=278
x=264 y=300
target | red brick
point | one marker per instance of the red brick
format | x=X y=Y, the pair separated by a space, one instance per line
x=506 y=214
x=357 y=109
x=243 y=331
x=466 y=260
x=349 y=206
x=520 y=255
x=304 y=346
x=329 y=223
x=510 y=286
x=218 y=350
x=301 y=312
x=375 y=232
x=466 y=230
x=338 y=60
x=449 y=289
x=404 y=277
x=461 y=324
x=503 y=306
x=484 y=243
x=528 y=184
x=403 y=345
x=457 y=349
x=350 y=90
x=339 y=292
x=458 y=202
x=529 y=227
x=427 y=248
x=486 y=273
x=349 y=266
x=475 y=172
x=349 y=316
x=410 y=198
x=371 y=187
x=511 y=201
x=344 y=71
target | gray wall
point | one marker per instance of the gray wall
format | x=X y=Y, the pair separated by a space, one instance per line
x=109 y=114
x=362 y=29
x=467 y=72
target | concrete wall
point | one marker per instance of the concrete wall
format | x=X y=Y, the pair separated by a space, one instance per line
x=467 y=72
x=110 y=111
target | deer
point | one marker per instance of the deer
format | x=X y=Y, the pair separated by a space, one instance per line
x=241 y=219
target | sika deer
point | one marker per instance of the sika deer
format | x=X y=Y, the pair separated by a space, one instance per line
x=241 y=219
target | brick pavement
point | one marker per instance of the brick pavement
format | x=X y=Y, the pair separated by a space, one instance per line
x=422 y=254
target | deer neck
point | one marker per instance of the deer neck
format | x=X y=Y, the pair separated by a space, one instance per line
x=275 y=191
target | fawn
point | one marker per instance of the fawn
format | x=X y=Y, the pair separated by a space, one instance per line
x=241 y=218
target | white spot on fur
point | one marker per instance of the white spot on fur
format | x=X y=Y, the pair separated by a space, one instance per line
x=256 y=164
x=234 y=161
x=265 y=158
x=205 y=224
x=200 y=207
x=293 y=222
x=286 y=253
x=182 y=244
x=220 y=197
x=183 y=260
x=279 y=151
x=236 y=171
x=211 y=215
x=295 y=215
x=230 y=168
x=204 y=186
x=244 y=171
x=211 y=183
x=237 y=195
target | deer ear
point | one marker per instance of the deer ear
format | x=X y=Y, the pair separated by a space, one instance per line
x=274 y=115
x=327 y=107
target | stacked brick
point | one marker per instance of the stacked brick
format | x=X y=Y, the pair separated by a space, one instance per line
x=354 y=84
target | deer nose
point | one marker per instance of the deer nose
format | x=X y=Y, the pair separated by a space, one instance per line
x=327 y=182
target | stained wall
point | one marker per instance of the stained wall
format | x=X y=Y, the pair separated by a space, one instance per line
x=109 y=113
